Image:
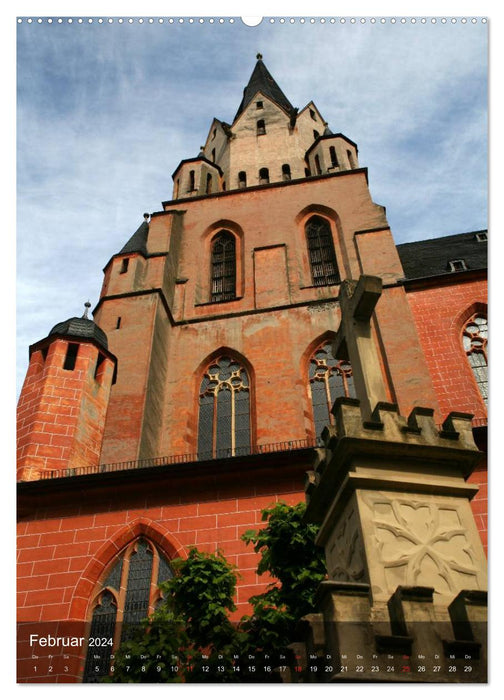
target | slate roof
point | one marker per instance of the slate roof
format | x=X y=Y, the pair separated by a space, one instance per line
x=138 y=241
x=431 y=257
x=261 y=80
x=82 y=328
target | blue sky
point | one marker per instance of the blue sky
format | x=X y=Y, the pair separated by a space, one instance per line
x=105 y=112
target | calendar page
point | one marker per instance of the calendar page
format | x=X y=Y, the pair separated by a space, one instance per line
x=253 y=349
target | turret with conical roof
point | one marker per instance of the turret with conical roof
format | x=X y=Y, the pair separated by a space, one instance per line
x=64 y=399
x=269 y=141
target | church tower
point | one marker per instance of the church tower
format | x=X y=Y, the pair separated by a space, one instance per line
x=244 y=263
x=203 y=384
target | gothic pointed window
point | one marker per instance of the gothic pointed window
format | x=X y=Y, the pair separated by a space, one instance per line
x=224 y=410
x=321 y=253
x=223 y=267
x=328 y=378
x=475 y=340
x=129 y=593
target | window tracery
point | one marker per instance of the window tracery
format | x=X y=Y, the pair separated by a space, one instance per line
x=224 y=410
x=475 y=341
x=328 y=379
x=129 y=594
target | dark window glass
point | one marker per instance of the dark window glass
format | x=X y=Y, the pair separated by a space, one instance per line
x=224 y=413
x=328 y=379
x=71 y=356
x=242 y=179
x=102 y=626
x=334 y=158
x=286 y=171
x=223 y=267
x=128 y=588
x=323 y=264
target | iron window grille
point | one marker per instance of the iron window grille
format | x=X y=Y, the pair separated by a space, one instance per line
x=324 y=268
x=223 y=272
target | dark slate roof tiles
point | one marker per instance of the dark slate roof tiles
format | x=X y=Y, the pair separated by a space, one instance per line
x=138 y=241
x=431 y=257
x=261 y=80
x=82 y=328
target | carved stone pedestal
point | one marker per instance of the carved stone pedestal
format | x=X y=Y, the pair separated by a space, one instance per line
x=407 y=571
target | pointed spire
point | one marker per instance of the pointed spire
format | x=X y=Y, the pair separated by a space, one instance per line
x=261 y=80
x=138 y=241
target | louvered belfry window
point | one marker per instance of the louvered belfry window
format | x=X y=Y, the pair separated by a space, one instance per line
x=328 y=379
x=475 y=340
x=323 y=263
x=223 y=267
x=224 y=410
x=128 y=594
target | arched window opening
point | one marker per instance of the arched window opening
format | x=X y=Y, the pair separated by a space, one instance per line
x=261 y=127
x=209 y=183
x=191 y=181
x=351 y=160
x=475 y=341
x=242 y=179
x=323 y=263
x=286 y=171
x=328 y=379
x=315 y=134
x=224 y=410
x=127 y=594
x=318 y=169
x=263 y=176
x=333 y=156
x=223 y=267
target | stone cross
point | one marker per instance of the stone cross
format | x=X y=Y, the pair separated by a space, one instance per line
x=354 y=340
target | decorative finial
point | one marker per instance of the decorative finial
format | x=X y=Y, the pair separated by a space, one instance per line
x=146 y=216
x=259 y=56
x=88 y=306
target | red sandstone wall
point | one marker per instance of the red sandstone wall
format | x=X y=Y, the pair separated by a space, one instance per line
x=440 y=314
x=61 y=412
x=57 y=546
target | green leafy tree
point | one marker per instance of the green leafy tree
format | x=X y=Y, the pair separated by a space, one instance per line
x=189 y=630
x=190 y=637
x=288 y=552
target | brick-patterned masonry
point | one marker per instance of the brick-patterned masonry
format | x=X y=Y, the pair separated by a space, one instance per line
x=440 y=328
x=59 y=543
